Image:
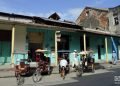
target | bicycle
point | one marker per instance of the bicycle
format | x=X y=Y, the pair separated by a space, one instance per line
x=37 y=75
x=79 y=70
x=20 y=79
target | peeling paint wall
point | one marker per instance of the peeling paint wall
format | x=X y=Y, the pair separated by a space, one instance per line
x=114 y=13
x=93 y=18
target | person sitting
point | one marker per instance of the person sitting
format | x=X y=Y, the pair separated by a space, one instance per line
x=63 y=63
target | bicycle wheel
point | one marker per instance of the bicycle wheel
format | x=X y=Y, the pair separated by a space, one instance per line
x=20 y=80
x=79 y=71
x=37 y=76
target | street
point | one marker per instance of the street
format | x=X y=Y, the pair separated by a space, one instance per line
x=101 y=77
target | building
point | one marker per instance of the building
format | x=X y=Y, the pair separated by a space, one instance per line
x=20 y=33
x=114 y=27
x=98 y=20
x=114 y=20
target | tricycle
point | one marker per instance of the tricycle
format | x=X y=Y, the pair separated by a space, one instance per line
x=22 y=68
x=87 y=60
x=43 y=65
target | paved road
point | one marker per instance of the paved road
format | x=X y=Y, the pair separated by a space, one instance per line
x=101 y=77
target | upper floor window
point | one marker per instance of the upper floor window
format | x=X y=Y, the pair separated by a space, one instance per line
x=87 y=13
x=116 y=21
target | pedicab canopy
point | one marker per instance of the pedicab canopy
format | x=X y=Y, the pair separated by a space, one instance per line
x=40 y=50
x=86 y=52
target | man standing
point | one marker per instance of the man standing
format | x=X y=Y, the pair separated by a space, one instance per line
x=75 y=59
x=114 y=57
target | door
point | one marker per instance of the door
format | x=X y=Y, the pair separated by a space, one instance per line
x=99 y=52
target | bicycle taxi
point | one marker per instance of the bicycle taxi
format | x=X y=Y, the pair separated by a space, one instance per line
x=87 y=60
x=64 y=54
x=43 y=65
x=22 y=67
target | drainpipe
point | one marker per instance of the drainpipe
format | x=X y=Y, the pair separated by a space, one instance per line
x=106 y=49
x=12 y=45
x=84 y=40
x=56 y=54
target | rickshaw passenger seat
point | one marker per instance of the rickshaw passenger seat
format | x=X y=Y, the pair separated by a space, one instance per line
x=22 y=64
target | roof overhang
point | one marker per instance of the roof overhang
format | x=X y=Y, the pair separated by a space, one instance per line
x=51 y=27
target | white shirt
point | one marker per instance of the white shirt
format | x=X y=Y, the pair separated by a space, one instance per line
x=75 y=60
x=63 y=62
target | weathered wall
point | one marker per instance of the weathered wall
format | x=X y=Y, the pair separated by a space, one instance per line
x=114 y=12
x=20 y=38
x=93 y=18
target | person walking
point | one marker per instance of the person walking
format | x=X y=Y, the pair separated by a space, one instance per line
x=114 y=57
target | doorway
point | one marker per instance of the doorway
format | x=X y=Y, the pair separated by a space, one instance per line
x=63 y=47
x=99 y=52
x=5 y=46
x=35 y=41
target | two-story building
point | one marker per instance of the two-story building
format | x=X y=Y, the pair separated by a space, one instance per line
x=114 y=27
x=97 y=19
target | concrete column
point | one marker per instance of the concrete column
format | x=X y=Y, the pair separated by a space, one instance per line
x=84 y=40
x=56 y=54
x=106 y=49
x=12 y=45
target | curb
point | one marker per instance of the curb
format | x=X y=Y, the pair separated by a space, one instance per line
x=9 y=69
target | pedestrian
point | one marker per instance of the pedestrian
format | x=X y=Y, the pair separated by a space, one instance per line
x=114 y=57
x=75 y=59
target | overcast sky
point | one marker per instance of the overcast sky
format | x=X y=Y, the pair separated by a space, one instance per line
x=67 y=9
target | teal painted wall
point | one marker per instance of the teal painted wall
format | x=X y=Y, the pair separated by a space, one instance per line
x=49 y=41
x=19 y=56
x=74 y=43
x=100 y=40
x=5 y=52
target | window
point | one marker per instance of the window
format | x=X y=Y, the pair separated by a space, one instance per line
x=87 y=13
x=116 y=21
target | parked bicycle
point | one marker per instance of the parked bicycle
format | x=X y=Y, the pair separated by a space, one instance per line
x=87 y=61
x=43 y=65
x=22 y=68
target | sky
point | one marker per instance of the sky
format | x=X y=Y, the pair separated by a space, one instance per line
x=67 y=9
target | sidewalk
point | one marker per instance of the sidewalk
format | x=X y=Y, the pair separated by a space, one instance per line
x=8 y=71
x=6 y=67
